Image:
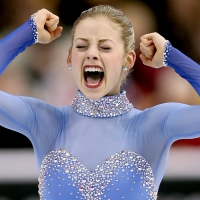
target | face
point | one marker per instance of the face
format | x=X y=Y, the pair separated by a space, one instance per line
x=97 y=57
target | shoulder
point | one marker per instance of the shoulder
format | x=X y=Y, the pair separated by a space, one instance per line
x=40 y=107
x=159 y=113
x=163 y=108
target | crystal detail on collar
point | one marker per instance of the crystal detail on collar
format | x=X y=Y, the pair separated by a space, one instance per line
x=107 y=106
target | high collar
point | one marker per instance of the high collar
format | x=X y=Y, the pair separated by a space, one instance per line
x=107 y=106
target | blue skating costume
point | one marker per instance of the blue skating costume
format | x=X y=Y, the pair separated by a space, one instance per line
x=99 y=149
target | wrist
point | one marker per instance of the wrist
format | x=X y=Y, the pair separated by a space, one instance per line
x=166 y=53
x=34 y=28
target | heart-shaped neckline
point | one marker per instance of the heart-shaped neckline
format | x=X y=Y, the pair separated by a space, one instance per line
x=93 y=183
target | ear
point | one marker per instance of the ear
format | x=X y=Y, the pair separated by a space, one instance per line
x=130 y=59
x=69 y=62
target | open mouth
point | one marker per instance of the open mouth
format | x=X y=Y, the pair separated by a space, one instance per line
x=93 y=76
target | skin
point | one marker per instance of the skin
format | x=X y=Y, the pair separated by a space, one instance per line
x=100 y=45
x=152 y=49
x=47 y=25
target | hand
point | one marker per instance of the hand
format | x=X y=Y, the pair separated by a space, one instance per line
x=47 y=24
x=152 y=49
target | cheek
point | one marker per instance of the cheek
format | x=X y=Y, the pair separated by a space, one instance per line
x=113 y=60
x=75 y=58
x=114 y=73
x=76 y=67
x=116 y=66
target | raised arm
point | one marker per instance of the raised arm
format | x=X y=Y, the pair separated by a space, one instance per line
x=168 y=122
x=158 y=52
x=25 y=114
x=42 y=27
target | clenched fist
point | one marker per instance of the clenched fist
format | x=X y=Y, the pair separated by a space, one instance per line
x=47 y=24
x=152 y=49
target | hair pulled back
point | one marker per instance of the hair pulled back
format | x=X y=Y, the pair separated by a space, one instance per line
x=116 y=16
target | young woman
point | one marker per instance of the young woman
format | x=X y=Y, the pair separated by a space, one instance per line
x=99 y=147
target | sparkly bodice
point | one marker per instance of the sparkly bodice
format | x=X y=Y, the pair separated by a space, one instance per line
x=107 y=106
x=125 y=175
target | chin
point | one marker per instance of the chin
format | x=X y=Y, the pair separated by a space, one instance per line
x=93 y=95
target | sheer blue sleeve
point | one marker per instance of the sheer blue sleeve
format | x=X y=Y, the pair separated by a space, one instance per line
x=185 y=67
x=162 y=125
x=181 y=121
x=25 y=114
x=15 y=43
x=32 y=118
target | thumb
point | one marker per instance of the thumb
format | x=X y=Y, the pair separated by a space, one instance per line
x=145 y=60
x=56 y=32
x=51 y=24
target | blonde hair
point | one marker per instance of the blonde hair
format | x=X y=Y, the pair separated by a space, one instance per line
x=116 y=16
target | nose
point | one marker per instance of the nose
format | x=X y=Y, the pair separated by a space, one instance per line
x=92 y=57
x=92 y=54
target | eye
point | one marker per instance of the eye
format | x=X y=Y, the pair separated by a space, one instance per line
x=81 y=46
x=105 y=48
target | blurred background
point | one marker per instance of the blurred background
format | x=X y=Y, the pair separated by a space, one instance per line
x=41 y=72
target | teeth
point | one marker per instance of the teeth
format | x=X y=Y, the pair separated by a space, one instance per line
x=93 y=83
x=93 y=69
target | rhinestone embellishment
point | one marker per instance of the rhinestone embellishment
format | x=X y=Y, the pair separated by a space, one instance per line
x=34 y=28
x=62 y=168
x=166 y=53
x=108 y=106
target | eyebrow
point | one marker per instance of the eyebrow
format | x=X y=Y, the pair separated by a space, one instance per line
x=81 y=39
x=100 y=41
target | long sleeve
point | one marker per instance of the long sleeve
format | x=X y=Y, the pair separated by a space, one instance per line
x=15 y=43
x=11 y=106
x=177 y=120
x=28 y=116
x=160 y=126
x=185 y=67
x=32 y=118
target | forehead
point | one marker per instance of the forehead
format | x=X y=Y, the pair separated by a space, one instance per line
x=98 y=26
